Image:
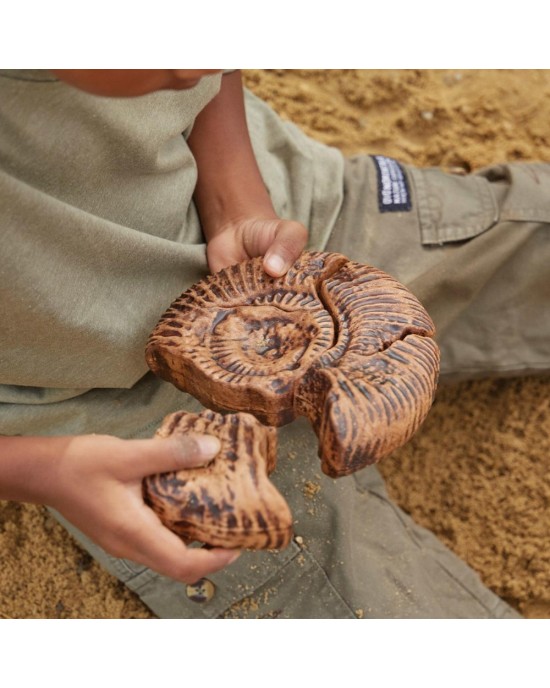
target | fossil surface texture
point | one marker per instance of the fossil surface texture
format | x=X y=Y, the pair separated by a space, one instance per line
x=230 y=502
x=339 y=342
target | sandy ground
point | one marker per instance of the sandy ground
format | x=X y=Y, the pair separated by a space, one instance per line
x=478 y=472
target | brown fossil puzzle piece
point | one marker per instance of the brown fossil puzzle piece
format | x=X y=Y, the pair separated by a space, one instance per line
x=370 y=392
x=240 y=339
x=230 y=502
x=341 y=343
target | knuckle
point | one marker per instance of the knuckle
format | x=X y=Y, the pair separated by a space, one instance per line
x=294 y=235
x=115 y=548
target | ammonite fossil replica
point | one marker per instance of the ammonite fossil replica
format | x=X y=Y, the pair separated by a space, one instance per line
x=230 y=502
x=341 y=343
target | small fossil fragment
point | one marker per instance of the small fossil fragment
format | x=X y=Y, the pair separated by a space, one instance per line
x=341 y=343
x=230 y=502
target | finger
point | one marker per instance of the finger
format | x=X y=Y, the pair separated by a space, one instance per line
x=289 y=241
x=223 y=253
x=186 y=564
x=160 y=455
x=152 y=544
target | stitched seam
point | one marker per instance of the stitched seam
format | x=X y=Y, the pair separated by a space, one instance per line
x=281 y=569
x=225 y=600
x=428 y=228
x=518 y=214
x=434 y=233
x=480 y=222
x=449 y=233
x=135 y=580
x=331 y=585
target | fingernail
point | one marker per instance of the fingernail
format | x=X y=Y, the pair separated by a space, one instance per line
x=234 y=557
x=197 y=450
x=275 y=264
x=209 y=445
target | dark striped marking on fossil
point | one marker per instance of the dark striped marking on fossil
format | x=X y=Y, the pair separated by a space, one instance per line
x=341 y=343
x=230 y=502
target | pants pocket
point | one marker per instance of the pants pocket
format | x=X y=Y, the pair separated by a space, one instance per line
x=527 y=187
x=452 y=207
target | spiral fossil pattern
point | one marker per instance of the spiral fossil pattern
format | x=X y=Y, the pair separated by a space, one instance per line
x=230 y=502
x=339 y=342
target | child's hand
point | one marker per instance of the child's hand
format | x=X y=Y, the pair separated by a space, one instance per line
x=97 y=487
x=279 y=241
x=234 y=205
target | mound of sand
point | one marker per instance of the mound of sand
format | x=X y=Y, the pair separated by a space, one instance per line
x=478 y=472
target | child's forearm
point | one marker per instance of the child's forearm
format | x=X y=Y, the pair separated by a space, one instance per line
x=237 y=216
x=229 y=185
x=27 y=467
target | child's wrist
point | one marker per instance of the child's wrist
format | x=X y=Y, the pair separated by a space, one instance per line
x=28 y=467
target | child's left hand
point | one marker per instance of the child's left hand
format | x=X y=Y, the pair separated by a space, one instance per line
x=279 y=241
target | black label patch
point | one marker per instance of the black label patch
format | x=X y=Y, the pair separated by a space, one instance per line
x=393 y=186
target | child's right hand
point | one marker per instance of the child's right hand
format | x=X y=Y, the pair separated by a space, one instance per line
x=279 y=241
x=96 y=485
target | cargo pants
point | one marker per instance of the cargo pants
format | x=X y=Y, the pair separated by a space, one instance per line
x=476 y=250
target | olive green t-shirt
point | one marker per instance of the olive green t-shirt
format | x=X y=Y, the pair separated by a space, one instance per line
x=100 y=233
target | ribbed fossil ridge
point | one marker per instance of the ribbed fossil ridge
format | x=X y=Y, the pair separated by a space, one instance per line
x=230 y=502
x=341 y=343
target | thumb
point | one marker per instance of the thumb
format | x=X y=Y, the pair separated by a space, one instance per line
x=160 y=455
x=288 y=242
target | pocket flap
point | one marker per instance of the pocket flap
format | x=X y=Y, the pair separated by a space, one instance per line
x=452 y=207
x=528 y=190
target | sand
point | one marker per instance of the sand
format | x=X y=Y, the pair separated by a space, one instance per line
x=478 y=472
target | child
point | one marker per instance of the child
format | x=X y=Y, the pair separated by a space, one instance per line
x=105 y=211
